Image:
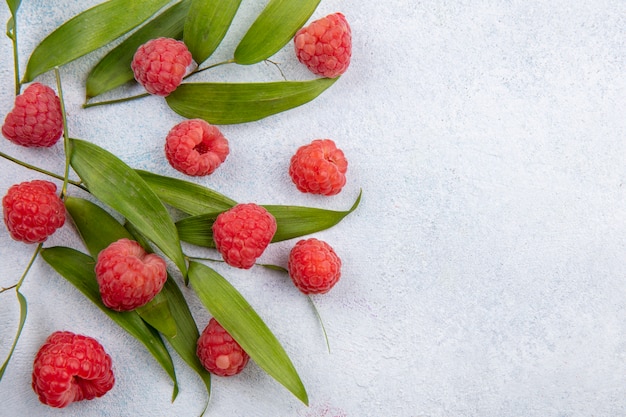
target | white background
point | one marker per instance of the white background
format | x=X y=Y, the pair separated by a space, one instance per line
x=483 y=273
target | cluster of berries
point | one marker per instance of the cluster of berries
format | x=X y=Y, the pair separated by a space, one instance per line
x=70 y=367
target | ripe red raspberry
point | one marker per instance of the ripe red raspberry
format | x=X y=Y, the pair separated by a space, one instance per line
x=70 y=367
x=128 y=276
x=194 y=147
x=160 y=65
x=36 y=119
x=33 y=211
x=242 y=233
x=314 y=266
x=325 y=46
x=218 y=352
x=319 y=168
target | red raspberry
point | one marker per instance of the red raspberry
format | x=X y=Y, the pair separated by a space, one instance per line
x=325 y=46
x=218 y=352
x=319 y=168
x=160 y=65
x=33 y=211
x=36 y=119
x=314 y=266
x=242 y=233
x=129 y=277
x=70 y=367
x=194 y=147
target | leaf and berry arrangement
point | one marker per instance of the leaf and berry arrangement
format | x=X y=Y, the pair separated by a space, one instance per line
x=124 y=270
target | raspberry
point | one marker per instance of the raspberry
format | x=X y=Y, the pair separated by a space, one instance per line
x=160 y=65
x=319 y=168
x=70 y=367
x=33 y=211
x=218 y=352
x=128 y=277
x=242 y=233
x=325 y=46
x=36 y=119
x=194 y=147
x=314 y=266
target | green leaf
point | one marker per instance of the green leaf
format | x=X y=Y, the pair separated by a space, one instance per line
x=23 y=313
x=13 y=6
x=295 y=221
x=185 y=341
x=121 y=188
x=99 y=229
x=197 y=230
x=240 y=320
x=114 y=69
x=275 y=26
x=230 y=103
x=89 y=31
x=206 y=24
x=186 y=196
x=291 y=221
x=78 y=269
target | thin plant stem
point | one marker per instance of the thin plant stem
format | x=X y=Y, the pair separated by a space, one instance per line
x=16 y=59
x=23 y=309
x=117 y=100
x=66 y=139
x=199 y=70
x=42 y=171
x=319 y=318
x=130 y=98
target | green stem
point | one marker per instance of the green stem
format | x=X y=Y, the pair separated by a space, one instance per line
x=42 y=171
x=16 y=61
x=199 y=70
x=319 y=318
x=118 y=100
x=23 y=309
x=66 y=139
x=130 y=98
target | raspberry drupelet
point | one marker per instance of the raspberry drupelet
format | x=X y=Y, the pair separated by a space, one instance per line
x=218 y=352
x=242 y=233
x=33 y=211
x=325 y=46
x=70 y=367
x=160 y=65
x=319 y=168
x=36 y=119
x=195 y=147
x=129 y=277
x=314 y=266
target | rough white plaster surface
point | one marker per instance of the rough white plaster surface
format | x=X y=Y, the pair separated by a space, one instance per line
x=484 y=272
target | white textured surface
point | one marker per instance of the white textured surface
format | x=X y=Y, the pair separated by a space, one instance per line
x=484 y=271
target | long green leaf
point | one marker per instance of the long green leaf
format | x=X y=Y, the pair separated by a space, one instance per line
x=206 y=24
x=186 y=196
x=88 y=31
x=13 y=6
x=295 y=221
x=197 y=230
x=275 y=26
x=239 y=319
x=185 y=341
x=117 y=185
x=114 y=69
x=291 y=221
x=230 y=103
x=77 y=268
x=99 y=229
x=23 y=313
